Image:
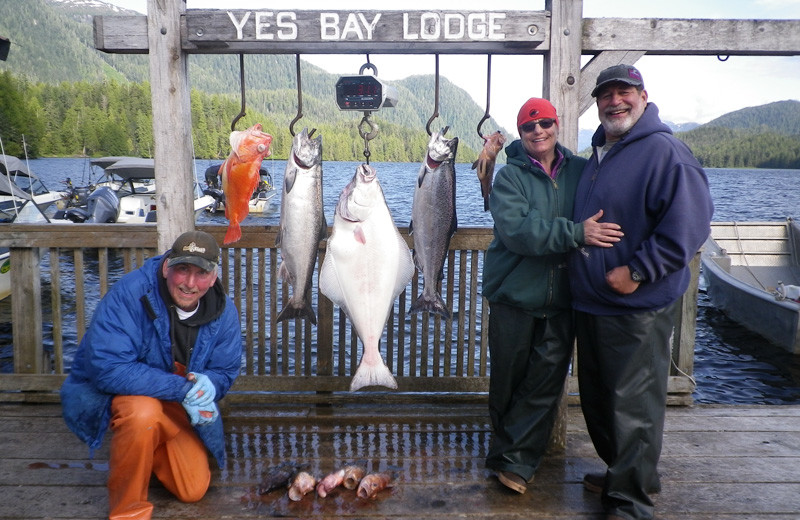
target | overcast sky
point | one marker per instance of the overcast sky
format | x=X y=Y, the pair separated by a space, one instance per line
x=685 y=88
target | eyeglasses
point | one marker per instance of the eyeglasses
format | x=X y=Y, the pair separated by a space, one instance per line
x=530 y=126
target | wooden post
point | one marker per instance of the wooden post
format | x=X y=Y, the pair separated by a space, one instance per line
x=26 y=310
x=561 y=82
x=172 y=121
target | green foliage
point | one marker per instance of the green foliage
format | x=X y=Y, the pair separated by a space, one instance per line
x=101 y=97
x=766 y=136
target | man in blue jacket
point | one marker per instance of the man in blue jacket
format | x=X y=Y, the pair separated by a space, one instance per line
x=625 y=297
x=163 y=347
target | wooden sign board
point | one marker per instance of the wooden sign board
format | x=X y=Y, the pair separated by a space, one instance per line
x=287 y=31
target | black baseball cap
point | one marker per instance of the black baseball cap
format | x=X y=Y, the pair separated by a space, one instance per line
x=623 y=73
x=197 y=248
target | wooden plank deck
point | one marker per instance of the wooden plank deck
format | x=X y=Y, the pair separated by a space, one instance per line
x=719 y=462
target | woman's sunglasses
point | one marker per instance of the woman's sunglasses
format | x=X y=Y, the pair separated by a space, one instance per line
x=530 y=126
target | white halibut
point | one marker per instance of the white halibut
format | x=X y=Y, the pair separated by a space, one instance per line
x=367 y=265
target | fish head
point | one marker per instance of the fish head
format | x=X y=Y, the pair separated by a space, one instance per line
x=440 y=149
x=496 y=141
x=360 y=195
x=307 y=152
x=251 y=144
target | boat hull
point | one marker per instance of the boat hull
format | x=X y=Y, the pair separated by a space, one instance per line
x=742 y=265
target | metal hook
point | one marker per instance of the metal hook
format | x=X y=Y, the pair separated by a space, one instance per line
x=368 y=65
x=241 y=113
x=299 y=100
x=488 y=95
x=436 y=100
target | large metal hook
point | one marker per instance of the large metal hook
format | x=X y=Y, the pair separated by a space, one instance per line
x=488 y=95
x=241 y=113
x=436 y=100
x=299 y=100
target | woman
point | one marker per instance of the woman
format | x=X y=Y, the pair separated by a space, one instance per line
x=525 y=281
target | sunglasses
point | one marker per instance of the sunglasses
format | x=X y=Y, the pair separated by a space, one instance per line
x=530 y=126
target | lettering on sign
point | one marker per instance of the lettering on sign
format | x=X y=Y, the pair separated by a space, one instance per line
x=206 y=26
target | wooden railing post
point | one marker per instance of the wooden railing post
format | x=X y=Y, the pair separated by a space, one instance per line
x=26 y=310
x=686 y=325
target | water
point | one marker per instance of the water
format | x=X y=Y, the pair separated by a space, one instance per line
x=732 y=365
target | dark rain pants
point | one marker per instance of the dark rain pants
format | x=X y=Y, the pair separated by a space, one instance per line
x=529 y=361
x=623 y=367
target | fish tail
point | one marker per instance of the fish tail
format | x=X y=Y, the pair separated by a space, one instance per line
x=373 y=375
x=485 y=203
x=303 y=311
x=233 y=234
x=434 y=304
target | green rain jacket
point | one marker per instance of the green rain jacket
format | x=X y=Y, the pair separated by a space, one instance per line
x=526 y=263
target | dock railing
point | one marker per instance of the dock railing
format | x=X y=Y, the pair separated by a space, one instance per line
x=60 y=272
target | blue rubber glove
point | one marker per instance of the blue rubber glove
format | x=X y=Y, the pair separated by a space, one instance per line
x=207 y=414
x=194 y=413
x=202 y=393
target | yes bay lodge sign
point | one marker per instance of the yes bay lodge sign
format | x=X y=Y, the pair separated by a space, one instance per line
x=517 y=32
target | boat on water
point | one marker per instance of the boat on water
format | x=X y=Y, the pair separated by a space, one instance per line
x=752 y=273
x=261 y=202
x=5 y=272
x=23 y=196
x=125 y=193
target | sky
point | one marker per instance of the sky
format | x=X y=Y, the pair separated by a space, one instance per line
x=685 y=88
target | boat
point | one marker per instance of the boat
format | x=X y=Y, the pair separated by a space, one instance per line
x=125 y=193
x=261 y=202
x=752 y=274
x=5 y=272
x=23 y=195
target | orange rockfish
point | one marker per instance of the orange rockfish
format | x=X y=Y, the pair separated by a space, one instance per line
x=485 y=163
x=240 y=176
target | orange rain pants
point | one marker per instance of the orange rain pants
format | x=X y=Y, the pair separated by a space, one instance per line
x=152 y=437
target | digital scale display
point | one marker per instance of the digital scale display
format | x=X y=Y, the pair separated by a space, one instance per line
x=366 y=93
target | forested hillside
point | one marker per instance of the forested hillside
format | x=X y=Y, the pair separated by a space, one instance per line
x=39 y=65
x=766 y=136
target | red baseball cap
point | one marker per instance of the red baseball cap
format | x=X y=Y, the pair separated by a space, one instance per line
x=535 y=109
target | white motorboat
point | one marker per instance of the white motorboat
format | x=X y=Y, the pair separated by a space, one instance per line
x=23 y=196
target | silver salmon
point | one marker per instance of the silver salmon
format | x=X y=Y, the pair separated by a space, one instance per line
x=367 y=265
x=433 y=219
x=302 y=224
x=484 y=165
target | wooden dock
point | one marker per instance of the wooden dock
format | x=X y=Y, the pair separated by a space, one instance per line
x=719 y=462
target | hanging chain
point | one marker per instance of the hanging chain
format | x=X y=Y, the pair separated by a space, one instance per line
x=367 y=136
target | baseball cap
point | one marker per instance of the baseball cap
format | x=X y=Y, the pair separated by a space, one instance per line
x=624 y=73
x=197 y=248
x=535 y=109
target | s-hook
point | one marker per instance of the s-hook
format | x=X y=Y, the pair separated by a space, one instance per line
x=299 y=100
x=373 y=128
x=488 y=95
x=436 y=99
x=241 y=113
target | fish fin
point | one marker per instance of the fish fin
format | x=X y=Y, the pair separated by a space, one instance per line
x=290 y=311
x=475 y=164
x=236 y=138
x=434 y=305
x=323 y=225
x=358 y=233
x=288 y=179
x=373 y=375
x=233 y=234
x=329 y=283
x=421 y=176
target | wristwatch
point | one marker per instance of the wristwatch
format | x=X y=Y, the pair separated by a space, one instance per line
x=636 y=276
